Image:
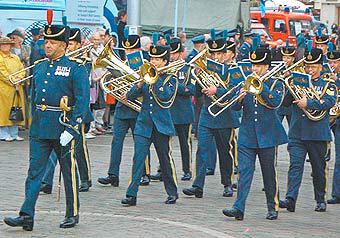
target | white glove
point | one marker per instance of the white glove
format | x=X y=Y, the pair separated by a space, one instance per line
x=65 y=138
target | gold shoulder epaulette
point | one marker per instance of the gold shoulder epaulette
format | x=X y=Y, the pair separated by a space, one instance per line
x=39 y=61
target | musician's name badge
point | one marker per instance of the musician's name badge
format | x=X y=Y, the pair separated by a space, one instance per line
x=62 y=71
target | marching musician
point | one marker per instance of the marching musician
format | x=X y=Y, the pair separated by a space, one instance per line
x=182 y=110
x=214 y=128
x=82 y=154
x=288 y=56
x=199 y=43
x=308 y=136
x=154 y=125
x=124 y=119
x=245 y=47
x=259 y=135
x=53 y=78
x=321 y=42
x=334 y=62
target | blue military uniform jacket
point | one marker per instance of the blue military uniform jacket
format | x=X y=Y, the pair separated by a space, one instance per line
x=182 y=111
x=124 y=112
x=191 y=55
x=301 y=127
x=260 y=126
x=337 y=83
x=152 y=115
x=244 y=51
x=51 y=81
x=227 y=119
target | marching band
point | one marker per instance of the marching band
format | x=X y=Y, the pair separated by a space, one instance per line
x=241 y=117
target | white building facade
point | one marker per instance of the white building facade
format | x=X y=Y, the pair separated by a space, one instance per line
x=329 y=10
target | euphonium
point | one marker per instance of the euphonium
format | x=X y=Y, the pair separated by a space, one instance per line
x=202 y=75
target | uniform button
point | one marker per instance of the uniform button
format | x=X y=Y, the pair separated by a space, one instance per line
x=255 y=120
x=45 y=81
x=43 y=99
x=150 y=104
x=150 y=97
x=151 y=112
x=44 y=90
x=255 y=112
x=48 y=74
x=303 y=115
x=51 y=65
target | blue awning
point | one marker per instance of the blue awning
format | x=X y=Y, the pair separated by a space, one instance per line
x=57 y=5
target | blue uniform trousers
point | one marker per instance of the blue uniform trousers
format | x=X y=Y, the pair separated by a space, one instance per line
x=120 y=128
x=213 y=152
x=40 y=150
x=212 y=156
x=336 y=175
x=318 y=152
x=223 y=141
x=163 y=148
x=82 y=158
x=247 y=159
x=183 y=132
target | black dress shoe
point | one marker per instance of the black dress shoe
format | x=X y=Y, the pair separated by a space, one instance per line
x=320 y=207
x=26 y=222
x=333 y=200
x=234 y=213
x=186 y=177
x=272 y=215
x=145 y=181
x=89 y=183
x=84 y=187
x=46 y=188
x=111 y=179
x=193 y=191
x=209 y=172
x=69 y=222
x=157 y=177
x=228 y=191
x=129 y=201
x=287 y=203
x=171 y=199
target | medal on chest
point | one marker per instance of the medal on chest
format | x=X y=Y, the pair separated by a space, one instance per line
x=62 y=71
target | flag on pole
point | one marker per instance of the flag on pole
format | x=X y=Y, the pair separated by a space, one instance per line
x=262 y=8
x=110 y=12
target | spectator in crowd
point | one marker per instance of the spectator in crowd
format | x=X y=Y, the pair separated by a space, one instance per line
x=23 y=51
x=122 y=20
x=97 y=95
x=183 y=37
x=9 y=63
x=101 y=33
x=37 y=45
x=276 y=52
x=145 y=43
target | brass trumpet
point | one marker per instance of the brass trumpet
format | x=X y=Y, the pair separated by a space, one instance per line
x=16 y=78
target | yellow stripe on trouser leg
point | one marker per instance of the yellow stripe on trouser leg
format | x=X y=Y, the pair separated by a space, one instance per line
x=326 y=177
x=73 y=179
x=147 y=163
x=173 y=168
x=190 y=147
x=231 y=154
x=235 y=148
x=86 y=154
x=276 y=198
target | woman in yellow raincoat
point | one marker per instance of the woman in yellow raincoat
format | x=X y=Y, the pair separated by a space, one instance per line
x=9 y=63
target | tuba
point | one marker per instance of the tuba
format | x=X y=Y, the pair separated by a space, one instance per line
x=17 y=78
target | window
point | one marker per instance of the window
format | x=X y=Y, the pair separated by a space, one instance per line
x=297 y=26
x=280 y=26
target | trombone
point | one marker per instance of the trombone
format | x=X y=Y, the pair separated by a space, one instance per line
x=253 y=84
x=15 y=78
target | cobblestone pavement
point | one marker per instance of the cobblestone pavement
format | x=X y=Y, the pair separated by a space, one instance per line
x=102 y=215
